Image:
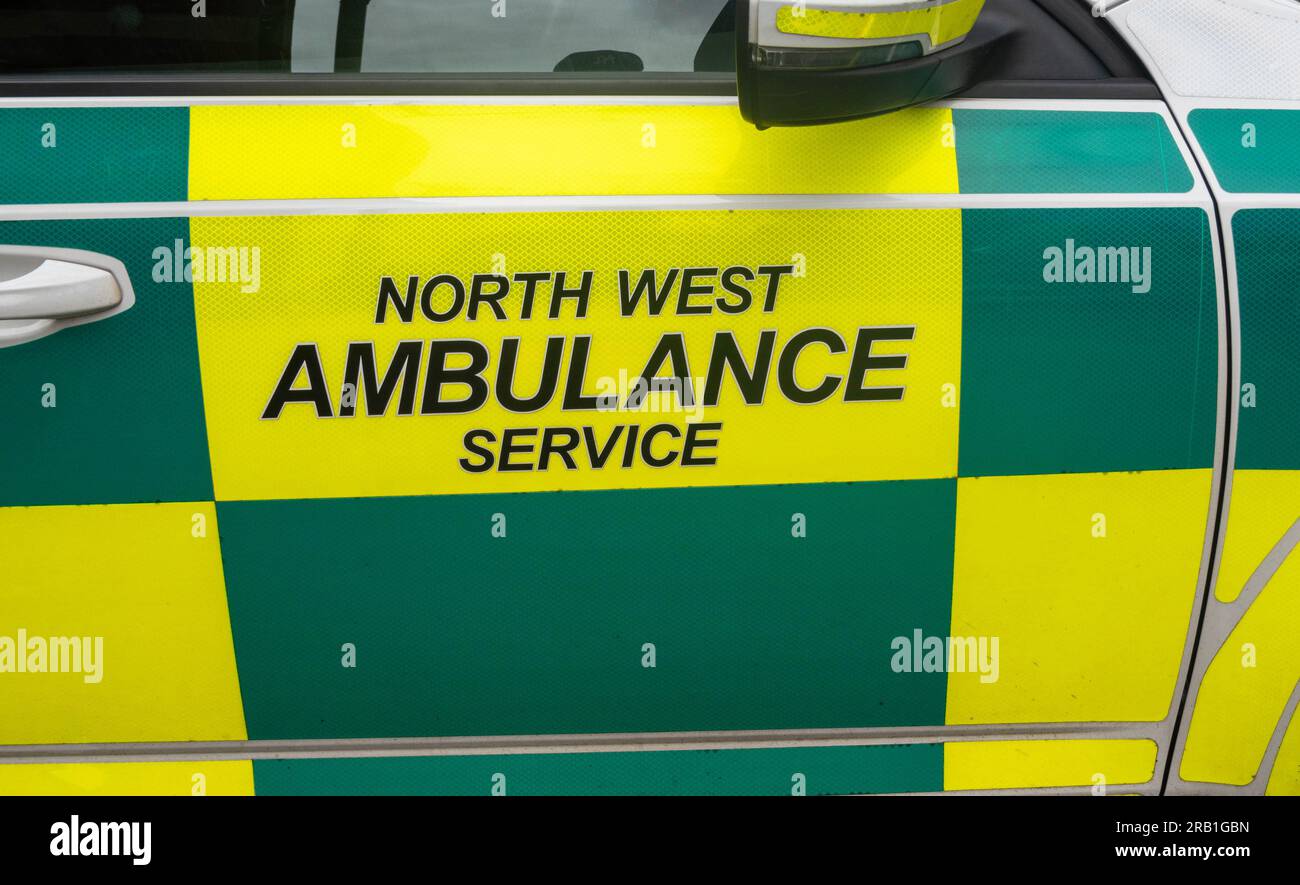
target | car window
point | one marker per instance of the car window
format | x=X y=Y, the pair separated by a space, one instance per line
x=619 y=37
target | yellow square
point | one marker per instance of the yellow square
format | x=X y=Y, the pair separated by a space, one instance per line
x=1088 y=582
x=144 y=583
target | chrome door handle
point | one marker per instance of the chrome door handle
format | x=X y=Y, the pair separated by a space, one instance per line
x=45 y=289
x=58 y=289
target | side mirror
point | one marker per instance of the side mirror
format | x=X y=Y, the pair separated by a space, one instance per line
x=823 y=61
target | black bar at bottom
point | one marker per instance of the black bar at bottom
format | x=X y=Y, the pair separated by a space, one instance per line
x=621 y=837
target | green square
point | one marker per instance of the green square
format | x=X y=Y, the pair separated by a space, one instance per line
x=544 y=631
x=127 y=421
x=1267 y=243
x=1087 y=377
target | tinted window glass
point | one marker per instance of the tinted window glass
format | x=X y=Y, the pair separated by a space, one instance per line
x=63 y=36
x=618 y=37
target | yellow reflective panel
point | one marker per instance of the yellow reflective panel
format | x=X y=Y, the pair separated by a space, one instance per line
x=941 y=23
x=128 y=603
x=1009 y=765
x=1263 y=507
x=1247 y=687
x=226 y=778
x=1087 y=582
x=1285 y=777
x=319 y=287
x=263 y=152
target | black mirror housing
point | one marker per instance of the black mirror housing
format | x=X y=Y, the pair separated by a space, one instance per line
x=773 y=94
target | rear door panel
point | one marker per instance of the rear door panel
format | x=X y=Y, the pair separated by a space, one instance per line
x=1242 y=727
x=1231 y=81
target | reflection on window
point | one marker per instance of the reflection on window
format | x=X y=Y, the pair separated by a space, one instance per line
x=592 y=37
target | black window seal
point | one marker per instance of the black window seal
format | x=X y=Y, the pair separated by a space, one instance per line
x=1110 y=89
x=306 y=85
x=255 y=84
